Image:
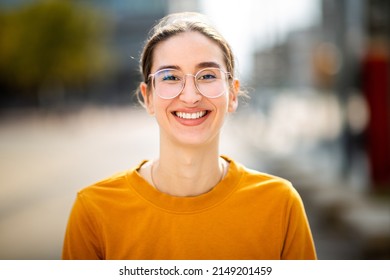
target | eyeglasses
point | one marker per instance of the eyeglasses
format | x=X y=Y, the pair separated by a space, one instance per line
x=210 y=82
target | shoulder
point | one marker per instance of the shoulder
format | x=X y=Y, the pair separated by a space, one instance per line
x=257 y=181
x=103 y=191
x=267 y=193
x=112 y=182
x=263 y=178
x=116 y=185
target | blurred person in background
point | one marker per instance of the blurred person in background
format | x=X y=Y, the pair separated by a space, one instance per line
x=190 y=202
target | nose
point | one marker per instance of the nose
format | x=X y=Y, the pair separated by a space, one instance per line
x=190 y=93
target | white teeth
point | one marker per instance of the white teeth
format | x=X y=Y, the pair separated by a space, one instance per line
x=190 y=116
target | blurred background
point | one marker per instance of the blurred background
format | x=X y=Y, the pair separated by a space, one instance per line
x=317 y=72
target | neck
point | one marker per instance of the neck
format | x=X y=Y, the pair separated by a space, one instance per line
x=187 y=171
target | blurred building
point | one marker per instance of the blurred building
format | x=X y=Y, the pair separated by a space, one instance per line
x=345 y=56
x=121 y=27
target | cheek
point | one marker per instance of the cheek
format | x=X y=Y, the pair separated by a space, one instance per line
x=221 y=105
x=160 y=107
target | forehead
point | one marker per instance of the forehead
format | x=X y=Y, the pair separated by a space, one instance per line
x=187 y=51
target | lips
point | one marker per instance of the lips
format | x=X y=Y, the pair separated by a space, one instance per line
x=190 y=116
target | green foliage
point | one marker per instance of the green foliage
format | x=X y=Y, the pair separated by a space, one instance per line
x=52 y=40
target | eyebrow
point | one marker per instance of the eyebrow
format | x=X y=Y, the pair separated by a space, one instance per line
x=205 y=64
x=168 y=67
x=208 y=64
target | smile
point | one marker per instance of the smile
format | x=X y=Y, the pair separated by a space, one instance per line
x=190 y=116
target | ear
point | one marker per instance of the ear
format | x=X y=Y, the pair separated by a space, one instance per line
x=233 y=96
x=147 y=97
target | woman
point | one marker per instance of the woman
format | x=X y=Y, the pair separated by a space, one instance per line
x=190 y=202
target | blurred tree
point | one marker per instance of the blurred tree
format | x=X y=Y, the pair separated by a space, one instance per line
x=51 y=43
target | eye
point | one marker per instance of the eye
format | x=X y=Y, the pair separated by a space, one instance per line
x=207 y=77
x=168 y=76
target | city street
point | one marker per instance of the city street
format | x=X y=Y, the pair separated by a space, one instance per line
x=46 y=158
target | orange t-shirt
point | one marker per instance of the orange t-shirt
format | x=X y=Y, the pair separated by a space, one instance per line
x=248 y=215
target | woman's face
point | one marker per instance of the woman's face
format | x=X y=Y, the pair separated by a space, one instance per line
x=190 y=118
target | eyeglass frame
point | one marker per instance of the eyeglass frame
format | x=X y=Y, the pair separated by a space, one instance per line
x=185 y=80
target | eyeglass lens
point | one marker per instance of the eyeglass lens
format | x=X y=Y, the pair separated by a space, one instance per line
x=169 y=83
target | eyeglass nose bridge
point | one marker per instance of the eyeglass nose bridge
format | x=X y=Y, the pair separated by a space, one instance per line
x=185 y=81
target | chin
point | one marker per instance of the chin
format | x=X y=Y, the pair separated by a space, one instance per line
x=196 y=140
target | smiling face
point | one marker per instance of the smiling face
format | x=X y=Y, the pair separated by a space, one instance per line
x=190 y=118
